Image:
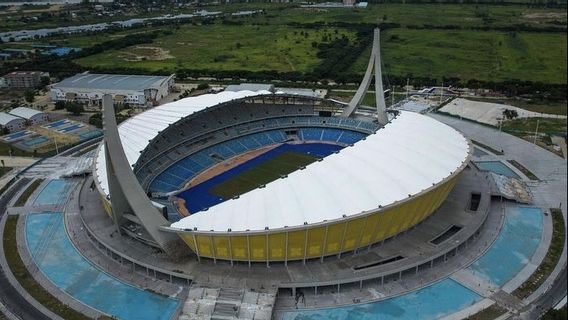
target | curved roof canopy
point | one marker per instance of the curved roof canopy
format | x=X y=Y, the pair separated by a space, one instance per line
x=136 y=132
x=409 y=155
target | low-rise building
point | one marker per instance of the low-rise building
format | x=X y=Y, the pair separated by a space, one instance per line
x=136 y=90
x=24 y=79
x=31 y=116
x=11 y=123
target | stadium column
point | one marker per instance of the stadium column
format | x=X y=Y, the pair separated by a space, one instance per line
x=342 y=239
x=213 y=249
x=324 y=243
x=248 y=249
x=286 y=251
x=196 y=247
x=266 y=246
x=230 y=248
x=305 y=247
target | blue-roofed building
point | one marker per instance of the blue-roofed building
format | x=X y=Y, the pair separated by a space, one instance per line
x=126 y=89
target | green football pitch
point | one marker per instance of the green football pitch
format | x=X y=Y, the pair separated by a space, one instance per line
x=264 y=173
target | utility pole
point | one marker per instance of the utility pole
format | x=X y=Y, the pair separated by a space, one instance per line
x=392 y=96
x=536 y=131
x=442 y=93
x=407 y=86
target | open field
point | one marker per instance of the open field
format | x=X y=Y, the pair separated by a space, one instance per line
x=464 y=54
x=427 y=14
x=222 y=47
x=559 y=108
x=467 y=54
x=264 y=173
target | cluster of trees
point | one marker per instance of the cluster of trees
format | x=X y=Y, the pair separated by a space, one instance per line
x=73 y=108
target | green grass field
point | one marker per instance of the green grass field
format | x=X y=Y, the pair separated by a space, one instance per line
x=264 y=173
x=468 y=54
x=222 y=47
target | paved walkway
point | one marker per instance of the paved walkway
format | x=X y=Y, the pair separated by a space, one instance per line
x=548 y=192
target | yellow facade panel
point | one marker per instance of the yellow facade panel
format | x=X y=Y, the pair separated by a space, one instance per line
x=296 y=244
x=239 y=247
x=334 y=237
x=277 y=246
x=316 y=237
x=258 y=247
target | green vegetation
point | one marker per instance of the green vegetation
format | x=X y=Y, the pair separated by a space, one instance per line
x=550 y=260
x=25 y=278
x=27 y=193
x=222 y=47
x=526 y=127
x=555 y=314
x=264 y=173
x=6 y=150
x=524 y=170
x=471 y=54
x=491 y=313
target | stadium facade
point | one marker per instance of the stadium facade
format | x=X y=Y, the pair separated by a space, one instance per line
x=392 y=171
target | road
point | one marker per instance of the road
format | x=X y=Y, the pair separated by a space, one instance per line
x=8 y=295
x=548 y=300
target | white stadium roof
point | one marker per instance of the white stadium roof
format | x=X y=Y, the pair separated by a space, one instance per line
x=137 y=131
x=410 y=154
x=407 y=156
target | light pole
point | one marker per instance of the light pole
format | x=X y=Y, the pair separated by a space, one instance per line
x=536 y=131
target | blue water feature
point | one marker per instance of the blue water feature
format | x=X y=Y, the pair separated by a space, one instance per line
x=54 y=193
x=516 y=244
x=198 y=197
x=497 y=167
x=432 y=302
x=71 y=128
x=16 y=136
x=479 y=153
x=34 y=141
x=90 y=134
x=61 y=263
x=58 y=123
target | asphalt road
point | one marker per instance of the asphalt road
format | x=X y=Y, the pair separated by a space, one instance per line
x=8 y=295
x=548 y=300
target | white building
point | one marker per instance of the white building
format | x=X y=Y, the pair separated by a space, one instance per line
x=31 y=116
x=125 y=89
x=11 y=123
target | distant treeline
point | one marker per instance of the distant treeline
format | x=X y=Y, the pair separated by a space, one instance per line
x=337 y=57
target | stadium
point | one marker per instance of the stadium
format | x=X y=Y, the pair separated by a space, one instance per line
x=257 y=176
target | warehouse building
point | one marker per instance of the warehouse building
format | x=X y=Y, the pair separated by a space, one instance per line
x=135 y=90
x=31 y=116
x=11 y=123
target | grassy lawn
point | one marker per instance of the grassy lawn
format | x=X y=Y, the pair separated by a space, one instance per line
x=429 y=14
x=25 y=278
x=5 y=151
x=264 y=173
x=527 y=126
x=524 y=170
x=468 y=54
x=27 y=193
x=550 y=260
x=222 y=47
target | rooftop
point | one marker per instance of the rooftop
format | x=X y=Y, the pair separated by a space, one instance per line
x=111 y=81
x=5 y=118
x=409 y=155
x=250 y=87
x=24 y=112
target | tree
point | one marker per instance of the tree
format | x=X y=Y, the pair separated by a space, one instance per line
x=510 y=114
x=29 y=95
x=74 y=108
x=59 y=105
x=44 y=82
x=203 y=86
